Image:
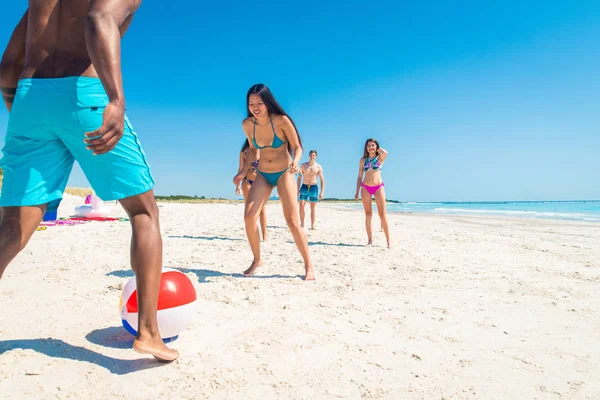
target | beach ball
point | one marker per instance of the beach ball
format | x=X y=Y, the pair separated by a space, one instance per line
x=176 y=304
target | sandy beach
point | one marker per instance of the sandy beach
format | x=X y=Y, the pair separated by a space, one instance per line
x=459 y=308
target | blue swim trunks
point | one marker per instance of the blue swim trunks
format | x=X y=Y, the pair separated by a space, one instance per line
x=310 y=193
x=45 y=136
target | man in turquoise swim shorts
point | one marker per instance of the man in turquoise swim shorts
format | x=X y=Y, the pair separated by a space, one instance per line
x=308 y=189
x=60 y=78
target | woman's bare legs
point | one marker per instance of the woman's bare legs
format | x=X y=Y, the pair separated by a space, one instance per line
x=288 y=195
x=380 y=201
x=245 y=190
x=263 y=214
x=257 y=197
x=368 y=206
x=263 y=221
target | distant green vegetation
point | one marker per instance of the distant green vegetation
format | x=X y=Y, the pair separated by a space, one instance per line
x=81 y=192
x=179 y=198
x=336 y=200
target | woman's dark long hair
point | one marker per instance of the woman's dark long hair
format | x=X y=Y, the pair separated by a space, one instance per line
x=272 y=105
x=245 y=146
x=366 y=153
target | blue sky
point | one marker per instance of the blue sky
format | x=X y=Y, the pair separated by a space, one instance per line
x=473 y=100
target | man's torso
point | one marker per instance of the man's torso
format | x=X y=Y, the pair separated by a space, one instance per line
x=310 y=173
x=55 y=42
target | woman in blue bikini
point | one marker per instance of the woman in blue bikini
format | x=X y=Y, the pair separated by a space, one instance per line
x=269 y=129
x=249 y=178
x=370 y=167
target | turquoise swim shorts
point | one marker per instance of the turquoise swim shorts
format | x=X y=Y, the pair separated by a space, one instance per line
x=310 y=193
x=45 y=136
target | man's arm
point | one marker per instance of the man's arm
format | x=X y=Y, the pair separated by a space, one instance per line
x=104 y=24
x=103 y=41
x=322 y=177
x=13 y=61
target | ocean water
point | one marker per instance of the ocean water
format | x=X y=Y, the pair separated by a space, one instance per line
x=563 y=210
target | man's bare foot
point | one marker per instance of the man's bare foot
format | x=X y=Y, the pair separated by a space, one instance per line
x=255 y=264
x=370 y=244
x=156 y=348
x=310 y=274
x=312 y=228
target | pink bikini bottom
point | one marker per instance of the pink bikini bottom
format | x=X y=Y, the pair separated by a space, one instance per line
x=372 y=189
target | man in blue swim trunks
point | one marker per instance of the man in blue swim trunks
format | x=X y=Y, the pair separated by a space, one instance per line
x=308 y=189
x=60 y=78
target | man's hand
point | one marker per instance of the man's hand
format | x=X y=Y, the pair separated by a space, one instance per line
x=108 y=135
x=321 y=196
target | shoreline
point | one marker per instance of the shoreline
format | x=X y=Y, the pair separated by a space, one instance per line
x=495 y=214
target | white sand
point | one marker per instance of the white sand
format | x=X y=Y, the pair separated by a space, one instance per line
x=460 y=308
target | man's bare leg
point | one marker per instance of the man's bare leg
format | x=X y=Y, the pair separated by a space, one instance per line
x=17 y=224
x=146 y=262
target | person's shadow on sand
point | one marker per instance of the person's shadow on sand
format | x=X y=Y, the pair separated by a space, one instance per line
x=205 y=238
x=115 y=337
x=203 y=274
x=331 y=244
x=60 y=349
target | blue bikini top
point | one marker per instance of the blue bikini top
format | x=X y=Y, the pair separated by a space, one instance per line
x=277 y=142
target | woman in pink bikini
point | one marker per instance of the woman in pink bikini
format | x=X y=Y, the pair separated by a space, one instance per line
x=370 y=166
x=244 y=187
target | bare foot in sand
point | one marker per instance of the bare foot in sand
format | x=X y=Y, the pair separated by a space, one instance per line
x=310 y=274
x=255 y=264
x=312 y=228
x=156 y=348
x=370 y=244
